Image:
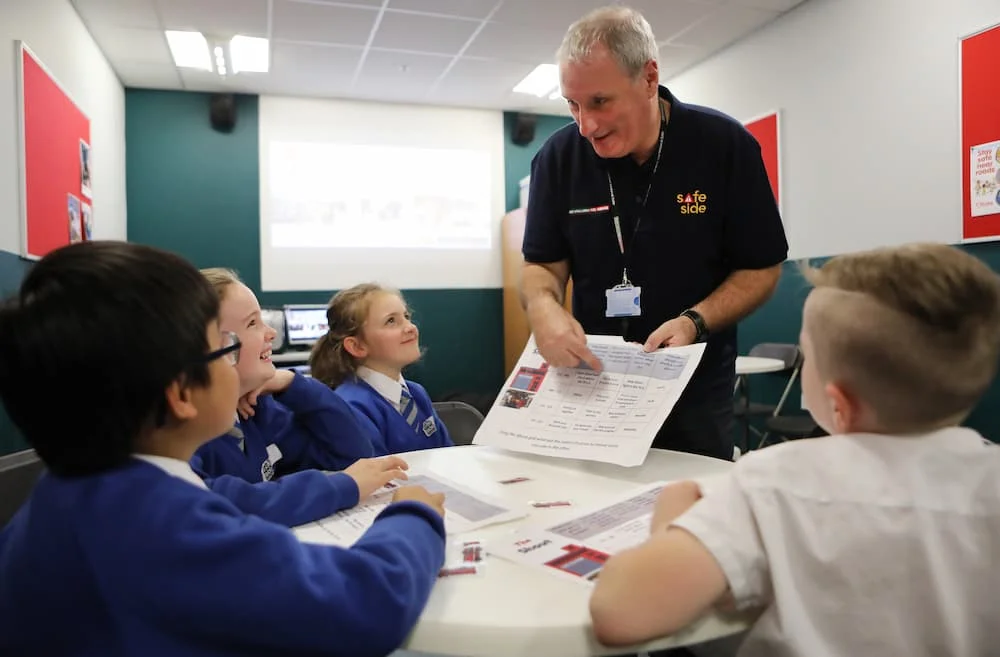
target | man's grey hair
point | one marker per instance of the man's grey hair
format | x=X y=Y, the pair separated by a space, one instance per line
x=622 y=30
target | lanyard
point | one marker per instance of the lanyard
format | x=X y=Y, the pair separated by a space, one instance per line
x=645 y=198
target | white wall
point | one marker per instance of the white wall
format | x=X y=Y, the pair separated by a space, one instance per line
x=868 y=94
x=57 y=36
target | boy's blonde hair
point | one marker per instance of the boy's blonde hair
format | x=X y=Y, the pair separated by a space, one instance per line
x=329 y=362
x=221 y=279
x=914 y=331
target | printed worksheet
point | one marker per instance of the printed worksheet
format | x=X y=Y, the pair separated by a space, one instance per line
x=465 y=509
x=611 y=416
x=578 y=547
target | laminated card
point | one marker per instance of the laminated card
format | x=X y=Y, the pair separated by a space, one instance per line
x=611 y=416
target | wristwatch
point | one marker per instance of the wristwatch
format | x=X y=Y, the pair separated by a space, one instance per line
x=700 y=327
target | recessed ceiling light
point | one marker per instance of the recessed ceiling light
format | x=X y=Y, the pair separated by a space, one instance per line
x=249 y=54
x=540 y=82
x=189 y=50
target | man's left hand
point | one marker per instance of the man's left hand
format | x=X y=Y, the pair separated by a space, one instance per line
x=677 y=332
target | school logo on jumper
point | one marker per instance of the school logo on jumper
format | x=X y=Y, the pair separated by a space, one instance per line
x=429 y=427
x=692 y=202
x=592 y=210
x=266 y=470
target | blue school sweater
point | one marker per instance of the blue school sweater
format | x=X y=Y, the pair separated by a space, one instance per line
x=137 y=562
x=392 y=434
x=292 y=500
x=304 y=427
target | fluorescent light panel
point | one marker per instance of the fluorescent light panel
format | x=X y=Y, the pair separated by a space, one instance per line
x=540 y=82
x=249 y=54
x=246 y=54
x=189 y=50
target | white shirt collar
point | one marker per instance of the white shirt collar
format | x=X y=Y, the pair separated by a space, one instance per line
x=174 y=468
x=383 y=385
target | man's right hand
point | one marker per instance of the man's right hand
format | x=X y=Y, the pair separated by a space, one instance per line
x=420 y=494
x=560 y=338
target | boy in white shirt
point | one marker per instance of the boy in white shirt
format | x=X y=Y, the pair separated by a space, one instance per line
x=880 y=539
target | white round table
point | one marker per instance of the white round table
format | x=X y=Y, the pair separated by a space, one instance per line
x=508 y=610
x=757 y=365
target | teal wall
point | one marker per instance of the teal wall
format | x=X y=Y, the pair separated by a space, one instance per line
x=517 y=159
x=12 y=270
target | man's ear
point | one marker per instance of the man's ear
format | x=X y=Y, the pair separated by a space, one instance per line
x=355 y=347
x=651 y=74
x=179 y=401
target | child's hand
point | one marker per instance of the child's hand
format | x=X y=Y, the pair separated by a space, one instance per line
x=277 y=383
x=674 y=500
x=372 y=474
x=420 y=494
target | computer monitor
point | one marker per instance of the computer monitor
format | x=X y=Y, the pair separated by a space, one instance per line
x=305 y=324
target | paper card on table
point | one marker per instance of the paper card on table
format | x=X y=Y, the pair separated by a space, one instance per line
x=465 y=509
x=577 y=547
x=575 y=412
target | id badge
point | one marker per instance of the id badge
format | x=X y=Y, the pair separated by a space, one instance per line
x=623 y=301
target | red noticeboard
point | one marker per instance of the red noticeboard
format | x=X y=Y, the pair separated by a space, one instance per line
x=55 y=160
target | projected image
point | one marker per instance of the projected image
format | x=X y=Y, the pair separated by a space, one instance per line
x=325 y=195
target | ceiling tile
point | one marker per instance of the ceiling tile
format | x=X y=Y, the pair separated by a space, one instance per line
x=122 y=13
x=148 y=76
x=124 y=44
x=323 y=68
x=559 y=15
x=423 y=33
x=773 y=5
x=725 y=26
x=388 y=68
x=223 y=18
x=676 y=59
x=461 y=8
x=670 y=17
x=319 y=23
x=195 y=80
x=374 y=4
x=398 y=76
x=482 y=77
x=529 y=43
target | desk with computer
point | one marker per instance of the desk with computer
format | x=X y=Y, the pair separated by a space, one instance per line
x=298 y=326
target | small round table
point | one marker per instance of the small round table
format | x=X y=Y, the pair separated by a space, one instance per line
x=507 y=610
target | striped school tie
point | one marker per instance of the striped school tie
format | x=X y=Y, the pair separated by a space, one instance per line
x=408 y=407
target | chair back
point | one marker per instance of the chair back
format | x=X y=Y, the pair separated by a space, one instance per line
x=787 y=353
x=19 y=472
x=462 y=420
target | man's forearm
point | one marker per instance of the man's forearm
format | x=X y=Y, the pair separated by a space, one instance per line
x=739 y=295
x=543 y=282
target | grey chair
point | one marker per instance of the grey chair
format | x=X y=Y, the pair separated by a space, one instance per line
x=744 y=409
x=462 y=420
x=19 y=473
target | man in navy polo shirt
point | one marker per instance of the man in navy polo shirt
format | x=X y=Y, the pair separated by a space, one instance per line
x=650 y=197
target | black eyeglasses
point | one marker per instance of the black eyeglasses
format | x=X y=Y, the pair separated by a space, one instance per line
x=230 y=349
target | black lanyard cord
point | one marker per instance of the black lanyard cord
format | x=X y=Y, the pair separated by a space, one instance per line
x=649 y=188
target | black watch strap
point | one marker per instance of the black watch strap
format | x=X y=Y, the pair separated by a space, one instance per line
x=700 y=327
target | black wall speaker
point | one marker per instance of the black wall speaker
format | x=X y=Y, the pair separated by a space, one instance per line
x=222 y=112
x=524 y=129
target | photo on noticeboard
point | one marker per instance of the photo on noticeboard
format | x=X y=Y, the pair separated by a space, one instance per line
x=73 y=205
x=87 y=213
x=85 y=169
